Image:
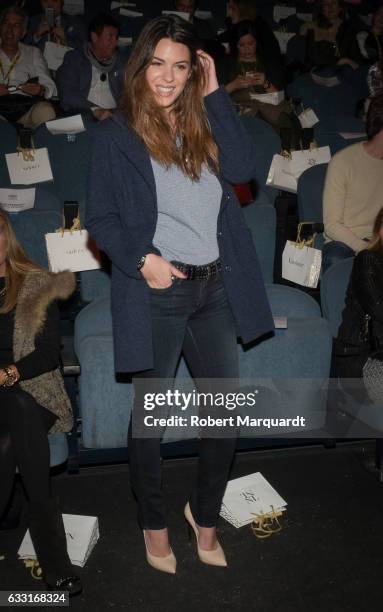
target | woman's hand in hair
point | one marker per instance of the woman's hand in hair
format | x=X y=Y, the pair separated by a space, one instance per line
x=211 y=75
x=158 y=272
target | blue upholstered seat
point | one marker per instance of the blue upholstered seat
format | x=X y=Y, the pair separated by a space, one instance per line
x=30 y=228
x=268 y=144
x=58 y=446
x=325 y=101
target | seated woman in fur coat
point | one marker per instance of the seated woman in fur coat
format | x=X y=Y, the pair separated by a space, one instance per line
x=33 y=401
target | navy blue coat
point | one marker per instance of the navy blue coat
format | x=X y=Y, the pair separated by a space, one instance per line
x=74 y=78
x=121 y=215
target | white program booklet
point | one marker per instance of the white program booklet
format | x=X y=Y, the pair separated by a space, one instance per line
x=66 y=125
x=128 y=13
x=17 y=200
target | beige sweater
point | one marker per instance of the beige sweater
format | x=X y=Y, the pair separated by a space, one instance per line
x=353 y=196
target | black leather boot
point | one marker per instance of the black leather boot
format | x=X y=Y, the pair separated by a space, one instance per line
x=47 y=532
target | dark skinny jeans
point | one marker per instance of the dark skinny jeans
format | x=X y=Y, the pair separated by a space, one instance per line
x=192 y=317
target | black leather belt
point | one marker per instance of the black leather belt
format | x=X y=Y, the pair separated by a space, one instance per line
x=198 y=272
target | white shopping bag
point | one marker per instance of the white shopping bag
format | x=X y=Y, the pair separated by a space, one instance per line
x=301 y=264
x=281 y=175
x=82 y=533
x=308 y=118
x=302 y=160
x=283 y=38
x=54 y=54
x=274 y=98
x=71 y=250
x=37 y=169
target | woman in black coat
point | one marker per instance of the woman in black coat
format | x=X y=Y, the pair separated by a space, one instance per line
x=361 y=332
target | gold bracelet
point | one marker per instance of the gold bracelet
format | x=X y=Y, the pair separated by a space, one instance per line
x=11 y=379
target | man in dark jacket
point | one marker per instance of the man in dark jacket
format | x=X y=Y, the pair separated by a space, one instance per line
x=90 y=78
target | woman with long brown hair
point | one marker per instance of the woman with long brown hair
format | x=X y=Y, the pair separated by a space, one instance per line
x=32 y=398
x=185 y=275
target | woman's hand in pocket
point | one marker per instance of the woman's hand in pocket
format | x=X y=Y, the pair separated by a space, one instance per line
x=158 y=272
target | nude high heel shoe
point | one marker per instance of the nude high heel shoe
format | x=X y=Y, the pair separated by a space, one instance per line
x=163 y=564
x=210 y=557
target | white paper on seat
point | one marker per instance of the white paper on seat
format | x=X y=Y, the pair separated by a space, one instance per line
x=274 y=98
x=248 y=496
x=74 y=7
x=23 y=172
x=125 y=41
x=280 y=322
x=17 y=200
x=179 y=13
x=54 y=54
x=73 y=251
x=66 y=125
x=325 y=81
x=128 y=13
x=305 y=16
x=283 y=38
x=308 y=118
x=204 y=14
x=282 y=12
x=117 y=5
x=82 y=534
x=352 y=135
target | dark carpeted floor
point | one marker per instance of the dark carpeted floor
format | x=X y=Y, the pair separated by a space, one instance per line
x=328 y=556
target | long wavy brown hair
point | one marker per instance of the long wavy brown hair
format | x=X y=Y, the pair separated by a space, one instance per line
x=17 y=264
x=376 y=242
x=190 y=144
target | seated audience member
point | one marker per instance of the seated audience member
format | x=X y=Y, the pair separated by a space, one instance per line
x=203 y=29
x=67 y=30
x=245 y=10
x=331 y=39
x=248 y=72
x=33 y=400
x=373 y=45
x=23 y=69
x=360 y=335
x=353 y=191
x=91 y=78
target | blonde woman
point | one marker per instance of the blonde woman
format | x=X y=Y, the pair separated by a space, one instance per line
x=32 y=398
x=185 y=275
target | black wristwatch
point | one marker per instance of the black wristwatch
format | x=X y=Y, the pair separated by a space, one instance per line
x=141 y=262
